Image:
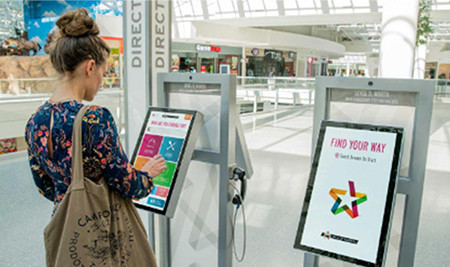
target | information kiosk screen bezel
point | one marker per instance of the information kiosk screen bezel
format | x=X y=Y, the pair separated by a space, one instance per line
x=180 y=158
x=390 y=196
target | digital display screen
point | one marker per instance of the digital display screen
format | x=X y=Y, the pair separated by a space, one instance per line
x=349 y=200
x=164 y=133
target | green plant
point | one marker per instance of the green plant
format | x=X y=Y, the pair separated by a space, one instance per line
x=424 y=29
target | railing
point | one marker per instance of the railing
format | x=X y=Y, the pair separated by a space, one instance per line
x=17 y=109
x=254 y=94
x=442 y=88
x=269 y=93
x=28 y=86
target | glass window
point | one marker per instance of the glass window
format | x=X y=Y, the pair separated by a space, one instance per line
x=343 y=10
x=361 y=3
x=308 y=12
x=185 y=8
x=255 y=5
x=292 y=12
x=362 y=10
x=318 y=4
x=340 y=3
x=197 y=7
x=271 y=5
x=306 y=4
x=227 y=6
x=272 y=13
x=290 y=4
x=213 y=8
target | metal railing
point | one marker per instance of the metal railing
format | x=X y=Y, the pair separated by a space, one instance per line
x=269 y=93
x=254 y=94
x=29 y=86
x=17 y=109
x=442 y=88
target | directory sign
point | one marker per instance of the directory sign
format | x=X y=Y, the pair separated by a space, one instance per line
x=170 y=133
x=350 y=194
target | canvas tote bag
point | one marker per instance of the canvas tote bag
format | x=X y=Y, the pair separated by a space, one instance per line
x=93 y=225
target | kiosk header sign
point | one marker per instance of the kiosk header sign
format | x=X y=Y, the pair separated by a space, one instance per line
x=350 y=195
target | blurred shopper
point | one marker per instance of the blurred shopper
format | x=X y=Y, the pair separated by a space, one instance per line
x=80 y=57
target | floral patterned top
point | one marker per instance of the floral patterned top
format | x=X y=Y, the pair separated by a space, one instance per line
x=103 y=155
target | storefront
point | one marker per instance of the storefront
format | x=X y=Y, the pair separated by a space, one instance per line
x=269 y=62
x=113 y=75
x=205 y=58
x=351 y=65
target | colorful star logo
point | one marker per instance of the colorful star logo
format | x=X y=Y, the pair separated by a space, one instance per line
x=353 y=213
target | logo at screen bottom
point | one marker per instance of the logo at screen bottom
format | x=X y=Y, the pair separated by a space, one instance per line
x=329 y=236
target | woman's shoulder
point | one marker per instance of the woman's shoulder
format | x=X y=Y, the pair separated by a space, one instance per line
x=97 y=115
x=38 y=117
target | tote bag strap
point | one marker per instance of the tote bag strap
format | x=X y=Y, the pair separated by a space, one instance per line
x=77 y=151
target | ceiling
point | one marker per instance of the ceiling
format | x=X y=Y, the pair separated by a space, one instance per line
x=353 y=23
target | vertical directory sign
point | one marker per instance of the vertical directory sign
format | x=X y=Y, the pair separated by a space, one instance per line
x=349 y=199
x=166 y=132
x=137 y=97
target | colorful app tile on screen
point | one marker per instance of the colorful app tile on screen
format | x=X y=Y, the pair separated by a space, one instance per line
x=150 y=145
x=165 y=178
x=171 y=148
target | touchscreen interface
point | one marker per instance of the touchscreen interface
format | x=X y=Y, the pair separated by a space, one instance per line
x=165 y=134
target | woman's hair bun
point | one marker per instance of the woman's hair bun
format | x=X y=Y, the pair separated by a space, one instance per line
x=77 y=23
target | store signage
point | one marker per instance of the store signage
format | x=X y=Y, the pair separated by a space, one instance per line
x=349 y=200
x=208 y=48
x=310 y=60
x=255 y=51
x=136 y=66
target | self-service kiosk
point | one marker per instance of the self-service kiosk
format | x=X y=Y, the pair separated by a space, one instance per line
x=171 y=133
x=201 y=138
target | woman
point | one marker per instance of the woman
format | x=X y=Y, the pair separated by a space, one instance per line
x=79 y=56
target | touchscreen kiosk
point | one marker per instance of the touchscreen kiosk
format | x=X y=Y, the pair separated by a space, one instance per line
x=350 y=194
x=171 y=133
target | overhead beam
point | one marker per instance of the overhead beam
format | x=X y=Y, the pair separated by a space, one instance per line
x=373 y=5
x=325 y=6
x=205 y=9
x=280 y=4
x=240 y=6
x=303 y=20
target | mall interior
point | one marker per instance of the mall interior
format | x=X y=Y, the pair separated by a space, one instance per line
x=271 y=82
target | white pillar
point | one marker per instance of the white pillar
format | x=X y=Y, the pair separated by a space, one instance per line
x=347 y=74
x=398 y=38
x=420 y=61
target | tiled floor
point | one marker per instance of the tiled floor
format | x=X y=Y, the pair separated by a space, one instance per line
x=280 y=149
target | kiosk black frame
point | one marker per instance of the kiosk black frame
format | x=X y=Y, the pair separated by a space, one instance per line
x=390 y=198
x=185 y=155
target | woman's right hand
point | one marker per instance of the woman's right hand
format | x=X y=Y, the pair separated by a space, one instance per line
x=155 y=166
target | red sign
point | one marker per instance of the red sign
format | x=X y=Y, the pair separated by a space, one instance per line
x=208 y=48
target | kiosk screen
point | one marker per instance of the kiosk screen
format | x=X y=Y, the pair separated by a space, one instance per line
x=165 y=132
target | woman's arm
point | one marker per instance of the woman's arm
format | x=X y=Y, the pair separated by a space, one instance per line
x=103 y=143
x=43 y=181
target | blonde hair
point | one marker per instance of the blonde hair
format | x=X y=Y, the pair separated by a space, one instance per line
x=76 y=40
